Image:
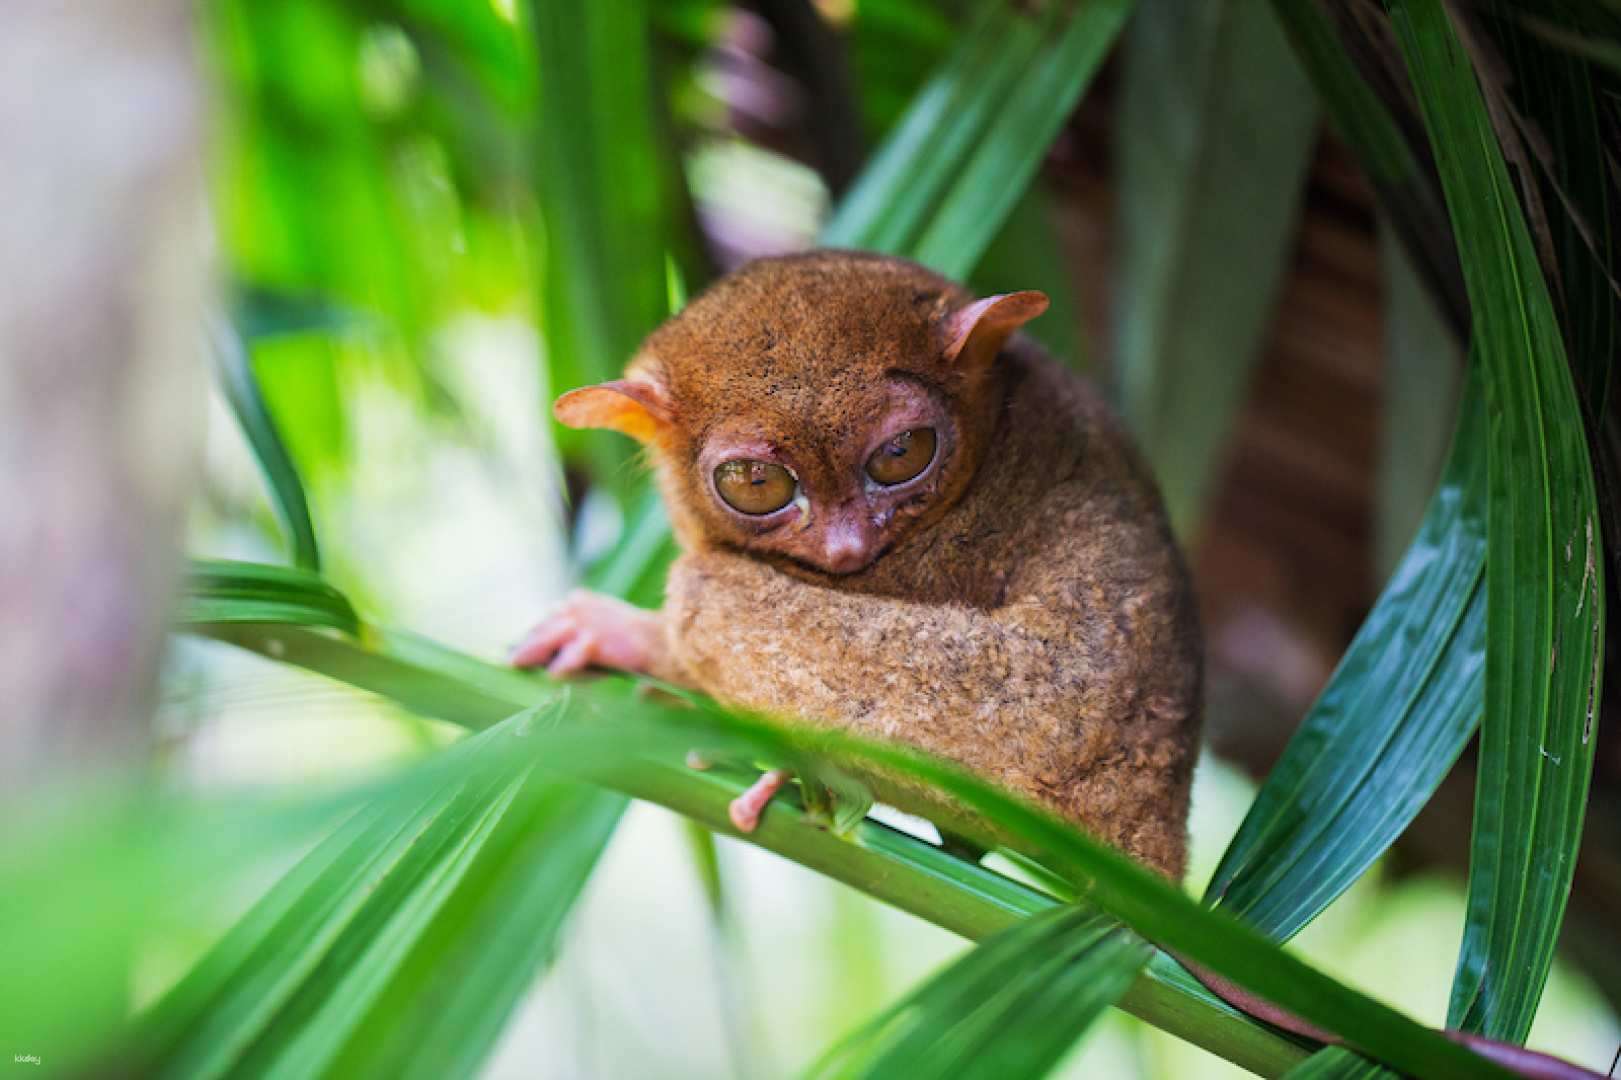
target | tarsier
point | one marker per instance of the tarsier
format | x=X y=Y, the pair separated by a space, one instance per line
x=900 y=516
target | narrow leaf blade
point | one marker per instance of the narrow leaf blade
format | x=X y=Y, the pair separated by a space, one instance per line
x=1545 y=588
x=957 y=163
x=221 y=590
x=1011 y=1008
x=1216 y=126
x=608 y=192
x=419 y=888
x=1393 y=718
x=240 y=385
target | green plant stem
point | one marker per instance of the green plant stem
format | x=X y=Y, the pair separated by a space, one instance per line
x=890 y=866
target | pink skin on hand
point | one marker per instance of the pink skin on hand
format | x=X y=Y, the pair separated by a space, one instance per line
x=590 y=630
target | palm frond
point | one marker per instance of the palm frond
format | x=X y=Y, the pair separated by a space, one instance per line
x=1399 y=709
x=219 y=590
x=403 y=921
x=92 y=873
x=1215 y=129
x=233 y=370
x=955 y=166
x=615 y=744
x=1011 y=1008
x=608 y=186
x=1545 y=564
x=1337 y=1063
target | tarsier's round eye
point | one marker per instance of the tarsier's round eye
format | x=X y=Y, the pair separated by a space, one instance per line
x=754 y=487
x=903 y=457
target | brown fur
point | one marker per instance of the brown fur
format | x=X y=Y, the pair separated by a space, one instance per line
x=1028 y=615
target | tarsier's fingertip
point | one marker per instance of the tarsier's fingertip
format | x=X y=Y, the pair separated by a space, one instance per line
x=524 y=654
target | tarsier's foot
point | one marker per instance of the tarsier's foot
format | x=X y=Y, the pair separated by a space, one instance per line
x=746 y=809
x=591 y=630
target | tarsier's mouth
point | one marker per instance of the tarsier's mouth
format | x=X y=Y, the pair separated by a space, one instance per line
x=826 y=571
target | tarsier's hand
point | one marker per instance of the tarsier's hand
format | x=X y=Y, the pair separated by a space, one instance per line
x=592 y=630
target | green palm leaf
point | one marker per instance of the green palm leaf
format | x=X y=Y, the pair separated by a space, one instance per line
x=88 y=874
x=219 y=590
x=1011 y=1008
x=1399 y=709
x=449 y=1001
x=1215 y=130
x=608 y=190
x=1336 y=1063
x=958 y=162
x=301 y=163
x=1545 y=587
x=1559 y=94
x=396 y=911
x=234 y=371
x=636 y=747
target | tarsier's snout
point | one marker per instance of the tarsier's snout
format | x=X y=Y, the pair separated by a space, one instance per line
x=843 y=540
x=849 y=543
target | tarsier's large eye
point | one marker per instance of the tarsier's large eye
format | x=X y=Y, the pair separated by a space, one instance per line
x=754 y=487
x=903 y=457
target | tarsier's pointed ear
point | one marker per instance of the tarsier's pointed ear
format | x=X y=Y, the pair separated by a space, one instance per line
x=636 y=406
x=976 y=333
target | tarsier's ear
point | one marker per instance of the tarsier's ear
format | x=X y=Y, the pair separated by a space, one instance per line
x=976 y=333
x=636 y=406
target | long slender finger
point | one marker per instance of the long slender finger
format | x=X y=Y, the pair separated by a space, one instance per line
x=745 y=810
x=543 y=641
x=575 y=656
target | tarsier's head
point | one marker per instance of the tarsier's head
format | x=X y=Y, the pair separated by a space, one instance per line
x=815 y=409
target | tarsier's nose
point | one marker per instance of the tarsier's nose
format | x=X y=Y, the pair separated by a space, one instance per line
x=847 y=546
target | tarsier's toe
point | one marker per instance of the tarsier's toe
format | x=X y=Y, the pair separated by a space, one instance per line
x=745 y=810
x=744 y=814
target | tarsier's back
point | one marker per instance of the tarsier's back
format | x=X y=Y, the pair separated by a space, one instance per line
x=898 y=517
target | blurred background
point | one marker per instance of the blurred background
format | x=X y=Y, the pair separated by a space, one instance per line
x=385 y=205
